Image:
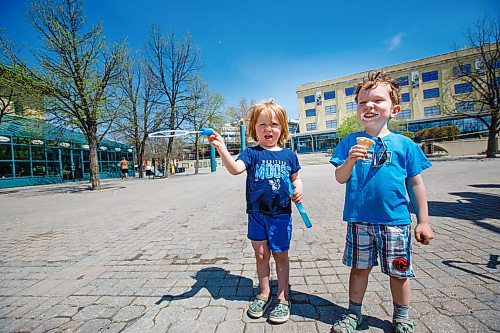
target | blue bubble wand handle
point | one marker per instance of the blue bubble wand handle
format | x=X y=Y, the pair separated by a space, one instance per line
x=299 y=206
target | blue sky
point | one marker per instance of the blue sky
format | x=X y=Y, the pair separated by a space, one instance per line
x=259 y=49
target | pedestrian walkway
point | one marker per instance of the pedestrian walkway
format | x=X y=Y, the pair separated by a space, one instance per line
x=171 y=255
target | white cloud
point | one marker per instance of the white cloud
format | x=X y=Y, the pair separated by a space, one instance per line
x=395 y=42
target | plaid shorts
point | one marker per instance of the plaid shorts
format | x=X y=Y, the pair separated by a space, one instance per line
x=365 y=242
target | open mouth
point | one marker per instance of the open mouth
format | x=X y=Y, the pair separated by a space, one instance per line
x=268 y=137
x=370 y=115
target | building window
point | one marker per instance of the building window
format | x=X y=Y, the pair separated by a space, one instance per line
x=311 y=113
x=461 y=70
x=403 y=81
x=350 y=91
x=329 y=95
x=494 y=64
x=430 y=111
x=331 y=109
x=331 y=124
x=465 y=106
x=431 y=93
x=404 y=114
x=309 y=99
x=429 y=76
x=311 y=126
x=405 y=97
x=351 y=106
x=463 y=88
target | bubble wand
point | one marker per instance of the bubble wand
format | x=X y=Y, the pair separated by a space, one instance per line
x=299 y=206
x=174 y=133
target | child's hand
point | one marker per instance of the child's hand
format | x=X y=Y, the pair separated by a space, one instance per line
x=216 y=140
x=297 y=195
x=356 y=153
x=424 y=233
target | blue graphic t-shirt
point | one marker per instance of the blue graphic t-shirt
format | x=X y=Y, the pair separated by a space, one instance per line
x=376 y=192
x=266 y=191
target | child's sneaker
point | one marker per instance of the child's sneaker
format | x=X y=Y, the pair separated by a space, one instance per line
x=280 y=312
x=347 y=324
x=259 y=305
x=403 y=326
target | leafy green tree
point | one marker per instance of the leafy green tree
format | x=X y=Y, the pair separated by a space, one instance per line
x=349 y=125
x=76 y=71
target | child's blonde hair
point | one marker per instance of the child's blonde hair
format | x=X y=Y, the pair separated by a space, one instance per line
x=268 y=107
x=373 y=79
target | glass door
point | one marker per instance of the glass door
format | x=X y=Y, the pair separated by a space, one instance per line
x=67 y=165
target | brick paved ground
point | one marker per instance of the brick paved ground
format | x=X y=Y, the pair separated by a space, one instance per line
x=171 y=255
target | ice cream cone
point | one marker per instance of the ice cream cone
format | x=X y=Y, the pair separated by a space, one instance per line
x=365 y=142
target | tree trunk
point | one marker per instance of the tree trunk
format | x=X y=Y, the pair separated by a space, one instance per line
x=196 y=165
x=492 y=148
x=139 y=148
x=94 y=165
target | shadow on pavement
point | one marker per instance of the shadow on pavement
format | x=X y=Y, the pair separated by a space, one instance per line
x=221 y=284
x=492 y=264
x=471 y=206
x=485 y=185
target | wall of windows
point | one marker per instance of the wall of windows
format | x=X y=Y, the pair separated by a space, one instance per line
x=33 y=152
x=322 y=142
x=32 y=162
x=430 y=86
x=465 y=125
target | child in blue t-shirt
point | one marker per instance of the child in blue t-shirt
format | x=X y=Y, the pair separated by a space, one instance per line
x=268 y=201
x=378 y=181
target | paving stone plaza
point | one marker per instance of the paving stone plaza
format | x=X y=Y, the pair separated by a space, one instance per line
x=171 y=255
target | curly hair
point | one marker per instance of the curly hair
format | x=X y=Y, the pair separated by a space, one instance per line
x=268 y=107
x=373 y=79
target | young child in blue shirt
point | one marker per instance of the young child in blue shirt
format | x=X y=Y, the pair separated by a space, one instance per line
x=378 y=181
x=268 y=201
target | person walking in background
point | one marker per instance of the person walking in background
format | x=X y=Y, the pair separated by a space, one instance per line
x=268 y=201
x=378 y=180
x=124 y=167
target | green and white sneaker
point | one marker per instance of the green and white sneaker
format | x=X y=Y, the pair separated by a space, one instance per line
x=259 y=305
x=403 y=326
x=347 y=324
x=280 y=312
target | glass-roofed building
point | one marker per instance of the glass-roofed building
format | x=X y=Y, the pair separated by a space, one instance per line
x=33 y=152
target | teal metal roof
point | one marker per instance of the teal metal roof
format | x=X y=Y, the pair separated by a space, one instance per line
x=37 y=129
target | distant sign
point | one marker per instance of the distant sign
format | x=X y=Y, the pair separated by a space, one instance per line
x=64 y=144
x=118 y=149
x=104 y=147
x=37 y=142
x=4 y=139
x=85 y=146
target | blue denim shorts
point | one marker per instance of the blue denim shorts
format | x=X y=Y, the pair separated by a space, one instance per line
x=276 y=229
x=392 y=244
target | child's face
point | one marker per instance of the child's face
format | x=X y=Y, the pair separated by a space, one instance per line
x=375 y=108
x=268 y=130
